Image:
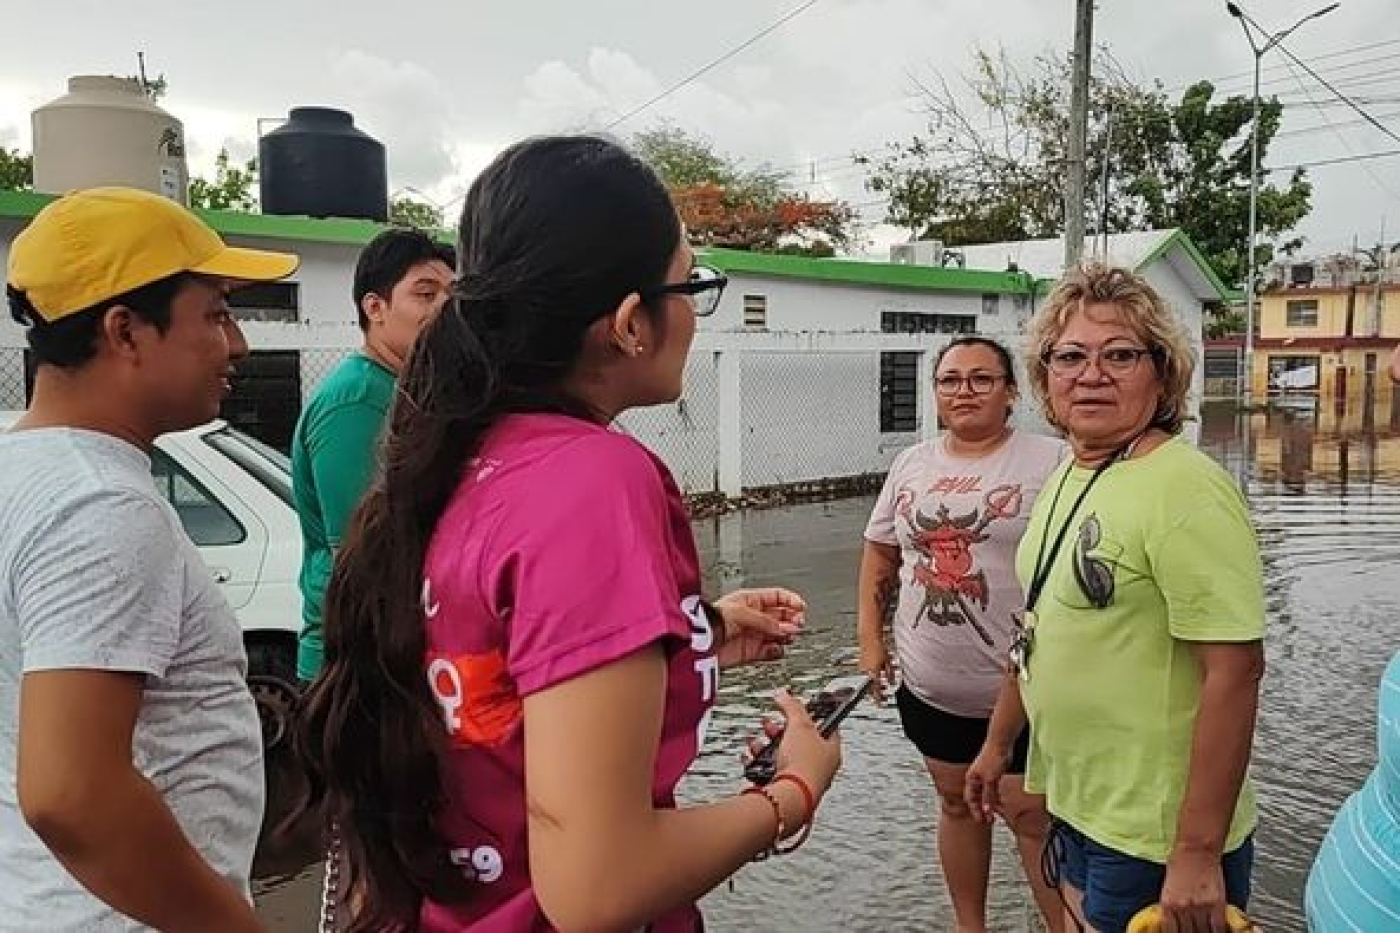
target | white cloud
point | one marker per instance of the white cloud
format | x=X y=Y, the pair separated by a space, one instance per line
x=405 y=107
x=447 y=94
x=557 y=98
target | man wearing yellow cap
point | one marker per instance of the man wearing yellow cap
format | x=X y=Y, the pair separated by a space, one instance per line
x=131 y=782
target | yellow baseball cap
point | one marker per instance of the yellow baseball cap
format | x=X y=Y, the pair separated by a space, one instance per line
x=98 y=243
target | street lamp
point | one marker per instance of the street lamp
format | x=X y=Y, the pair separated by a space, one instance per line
x=1246 y=22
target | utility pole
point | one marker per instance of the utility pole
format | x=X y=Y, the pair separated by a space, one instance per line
x=1078 y=130
x=1379 y=300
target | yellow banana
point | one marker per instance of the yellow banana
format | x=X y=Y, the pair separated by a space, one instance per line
x=1149 y=920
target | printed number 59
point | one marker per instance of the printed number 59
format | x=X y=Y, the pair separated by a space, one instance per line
x=483 y=863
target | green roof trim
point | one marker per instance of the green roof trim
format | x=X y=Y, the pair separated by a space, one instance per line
x=1180 y=238
x=884 y=274
x=22 y=205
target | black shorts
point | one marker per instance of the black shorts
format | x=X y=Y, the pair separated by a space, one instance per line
x=955 y=740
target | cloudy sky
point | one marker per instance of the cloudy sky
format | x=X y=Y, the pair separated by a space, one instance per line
x=446 y=84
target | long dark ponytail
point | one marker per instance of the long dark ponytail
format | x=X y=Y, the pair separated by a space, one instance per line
x=555 y=233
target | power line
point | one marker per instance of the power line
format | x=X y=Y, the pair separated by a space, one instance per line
x=1326 y=56
x=841 y=171
x=1338 y=94
x=1322 y=127
x=793 y=168
x=1346 y=144
x=792 y=14
x=1319 y=163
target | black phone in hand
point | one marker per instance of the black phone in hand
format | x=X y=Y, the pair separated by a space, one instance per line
x=828 y=707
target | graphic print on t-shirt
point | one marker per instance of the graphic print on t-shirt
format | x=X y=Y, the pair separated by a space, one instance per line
x=1092 y=571
x=948 y=570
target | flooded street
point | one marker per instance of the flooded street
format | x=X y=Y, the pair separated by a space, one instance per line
x=1324 y=488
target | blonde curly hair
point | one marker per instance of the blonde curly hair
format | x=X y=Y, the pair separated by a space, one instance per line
x=1143 y=312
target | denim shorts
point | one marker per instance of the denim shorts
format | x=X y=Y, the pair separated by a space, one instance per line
x=1116 y=886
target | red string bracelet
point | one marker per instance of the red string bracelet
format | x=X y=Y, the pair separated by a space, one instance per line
x=809 y=799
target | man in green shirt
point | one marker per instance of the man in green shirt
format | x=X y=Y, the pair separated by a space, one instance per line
x=402 y=279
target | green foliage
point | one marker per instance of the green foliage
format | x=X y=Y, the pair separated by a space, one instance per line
x=726 y=204
x=405 y=211
x=232 y=189
x=16 y=170
x=1224 y=322
x=997 y=170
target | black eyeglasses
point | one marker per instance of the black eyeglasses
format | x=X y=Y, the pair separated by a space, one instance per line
x=705 y=287
x=1071 y=362
x=978 y=383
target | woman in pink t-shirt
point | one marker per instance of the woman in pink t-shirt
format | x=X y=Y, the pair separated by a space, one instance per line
x=519 y=664
x=939 y=556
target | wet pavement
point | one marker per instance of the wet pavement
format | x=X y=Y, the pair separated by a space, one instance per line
x=1324 y=488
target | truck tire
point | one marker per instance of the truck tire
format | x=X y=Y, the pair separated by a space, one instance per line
x=272 y=679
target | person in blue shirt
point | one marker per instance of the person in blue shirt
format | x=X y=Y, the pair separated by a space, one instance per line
x=1355 y=881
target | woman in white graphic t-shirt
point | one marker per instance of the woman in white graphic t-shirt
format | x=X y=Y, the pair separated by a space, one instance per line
x=939 y=555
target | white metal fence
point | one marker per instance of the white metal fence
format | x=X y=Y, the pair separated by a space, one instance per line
x=759 y=409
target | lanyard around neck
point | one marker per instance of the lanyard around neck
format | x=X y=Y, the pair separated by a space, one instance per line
x=1041 y=575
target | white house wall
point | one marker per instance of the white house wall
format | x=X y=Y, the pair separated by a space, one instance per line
x=837 y=307
x=1182 y=300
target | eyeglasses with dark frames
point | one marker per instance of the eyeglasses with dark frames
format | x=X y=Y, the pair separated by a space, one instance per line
x=977 y=383
x=1072 y=362
x=705 y=286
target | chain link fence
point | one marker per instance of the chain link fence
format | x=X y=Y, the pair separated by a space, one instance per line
x=12 y=394
x=806 y=416
x=685 y=434
x=316 y=364
x=813 y=417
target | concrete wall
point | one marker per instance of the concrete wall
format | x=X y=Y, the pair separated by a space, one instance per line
x=798 y=305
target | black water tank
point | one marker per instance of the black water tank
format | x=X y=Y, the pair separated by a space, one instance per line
x=320 y=165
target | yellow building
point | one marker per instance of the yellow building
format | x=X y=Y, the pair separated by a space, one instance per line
x=1332 y=341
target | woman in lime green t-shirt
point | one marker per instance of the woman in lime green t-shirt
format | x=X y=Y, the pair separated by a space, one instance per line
x=1140 y=655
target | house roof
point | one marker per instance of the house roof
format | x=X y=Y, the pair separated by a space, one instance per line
x=22 y=205
x=882 y=274
x=1137 y=250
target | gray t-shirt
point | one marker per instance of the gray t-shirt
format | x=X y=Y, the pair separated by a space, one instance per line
x=97 y=573
x=957 y=523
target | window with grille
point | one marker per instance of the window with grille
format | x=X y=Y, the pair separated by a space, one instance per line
x=1301 y=313
x=991 y=303
x=918 y=322
x=266 y=397
x=899 y=392
x=756 y=312
x=267 y=301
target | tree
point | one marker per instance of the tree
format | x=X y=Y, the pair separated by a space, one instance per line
x=404 y=211
x=16 y=170
x=1223 y=322
x=725 y=204
x=154 y=88
x=231 y=189
x=996 y=169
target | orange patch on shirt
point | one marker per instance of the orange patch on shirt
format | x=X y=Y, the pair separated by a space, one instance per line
x=476 y=695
